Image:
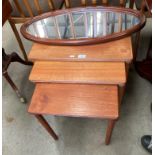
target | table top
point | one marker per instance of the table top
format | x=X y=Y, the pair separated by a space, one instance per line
x=115 y=51
x=100 y=101
x=79 y=72
x=82 y=26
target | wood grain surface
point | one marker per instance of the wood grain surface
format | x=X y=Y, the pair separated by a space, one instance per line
x=78 y=100
x=120 y=50
x=79 y=72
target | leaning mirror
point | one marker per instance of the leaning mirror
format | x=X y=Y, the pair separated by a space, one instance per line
x=83 y=26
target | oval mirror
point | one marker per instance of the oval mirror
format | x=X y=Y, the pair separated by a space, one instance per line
x=83 y=26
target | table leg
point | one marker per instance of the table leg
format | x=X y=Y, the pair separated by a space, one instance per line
x=137 y=42
x=14 y=87
x=45 y=124
x=110 y=127
x=121 y=92
x=127 y=67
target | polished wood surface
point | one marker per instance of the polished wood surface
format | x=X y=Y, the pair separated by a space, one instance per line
x=78 y=100
x=79 y=72
x=120 y=50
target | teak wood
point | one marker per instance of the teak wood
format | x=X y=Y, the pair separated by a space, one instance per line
x=79 y=72
x=78 y=100
x=120 y=50
x=110 y=127
x=95 y=101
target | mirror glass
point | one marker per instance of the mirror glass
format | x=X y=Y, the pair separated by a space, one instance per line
x=86 y=24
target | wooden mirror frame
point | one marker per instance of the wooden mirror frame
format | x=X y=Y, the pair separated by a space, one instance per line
x=85 y=41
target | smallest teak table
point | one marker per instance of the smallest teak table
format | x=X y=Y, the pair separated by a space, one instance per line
x=75 y=100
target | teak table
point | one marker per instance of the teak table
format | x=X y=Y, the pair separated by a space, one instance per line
x=76 y=100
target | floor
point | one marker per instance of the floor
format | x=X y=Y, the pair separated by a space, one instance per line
x=23 y=135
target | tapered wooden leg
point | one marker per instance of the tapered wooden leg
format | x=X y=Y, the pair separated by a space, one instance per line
x=18 y=39
x=110 y=127
x=137 y=42
x=7 y=77
x=121 y=92
x=127 y=67
x=45 y=124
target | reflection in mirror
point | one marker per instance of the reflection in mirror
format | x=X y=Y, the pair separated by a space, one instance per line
x=82 y=24
x=79 y=25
